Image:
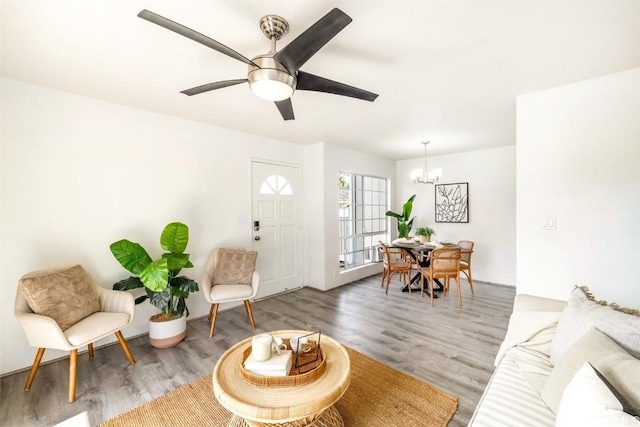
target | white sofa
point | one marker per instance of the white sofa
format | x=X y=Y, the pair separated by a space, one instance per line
x=540 y=377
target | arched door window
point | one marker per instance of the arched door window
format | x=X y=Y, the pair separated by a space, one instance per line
x=276 y=184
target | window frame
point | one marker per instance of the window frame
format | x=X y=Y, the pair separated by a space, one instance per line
x=362 y=203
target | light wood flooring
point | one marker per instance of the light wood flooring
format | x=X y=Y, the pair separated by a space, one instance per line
x=450 y=347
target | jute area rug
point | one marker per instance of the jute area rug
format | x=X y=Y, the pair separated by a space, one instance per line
x=377 y=396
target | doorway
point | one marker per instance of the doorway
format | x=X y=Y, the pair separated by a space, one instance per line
x=277 y=213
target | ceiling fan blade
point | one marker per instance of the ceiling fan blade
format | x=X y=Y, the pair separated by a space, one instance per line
x=296 y=53
x=308 y=81
x=212 y=86
x=286 y=108
x=192 y=34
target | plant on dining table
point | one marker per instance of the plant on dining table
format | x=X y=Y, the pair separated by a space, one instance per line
x=425 y=231
x=405 y=222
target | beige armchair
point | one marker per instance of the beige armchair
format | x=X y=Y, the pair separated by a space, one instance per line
x=65 y=309
x=229 y=276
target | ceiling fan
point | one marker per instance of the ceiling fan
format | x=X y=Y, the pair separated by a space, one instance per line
x=276 y=75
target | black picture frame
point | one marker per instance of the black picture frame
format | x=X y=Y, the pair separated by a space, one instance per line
x=452 y=202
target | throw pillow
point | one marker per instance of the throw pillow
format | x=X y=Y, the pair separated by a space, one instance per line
x=619 y=368
x=587 y=401
x=583 y=312
x=66 y=295
x=234 y=267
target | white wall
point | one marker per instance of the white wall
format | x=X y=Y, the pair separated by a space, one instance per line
x=491 y=175
x=78 y=174
x=578 y=160
x=323 y=205
x=314 y=205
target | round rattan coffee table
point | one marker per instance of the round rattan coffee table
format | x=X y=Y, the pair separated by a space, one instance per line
x=304 y=405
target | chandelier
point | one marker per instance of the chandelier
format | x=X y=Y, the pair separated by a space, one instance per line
x=426 y=176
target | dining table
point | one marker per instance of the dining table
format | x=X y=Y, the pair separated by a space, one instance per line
x=419 y=252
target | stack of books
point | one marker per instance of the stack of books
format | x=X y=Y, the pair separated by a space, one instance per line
x=278 y=366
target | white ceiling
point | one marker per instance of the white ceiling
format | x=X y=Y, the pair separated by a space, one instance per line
x=446 y=71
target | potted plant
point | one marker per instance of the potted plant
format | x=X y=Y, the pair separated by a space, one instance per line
x=164 y=288
x=425 y=233
x=404 y=223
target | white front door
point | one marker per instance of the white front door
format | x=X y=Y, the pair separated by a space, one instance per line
x=277 y=223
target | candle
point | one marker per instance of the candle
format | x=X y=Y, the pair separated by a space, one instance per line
x=261 y=347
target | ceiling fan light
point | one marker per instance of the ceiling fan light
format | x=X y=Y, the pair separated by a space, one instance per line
x=271 y=84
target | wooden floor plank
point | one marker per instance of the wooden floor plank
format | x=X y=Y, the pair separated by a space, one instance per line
x=450 y=347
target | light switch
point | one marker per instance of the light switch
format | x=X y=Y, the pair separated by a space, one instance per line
x=548 y=223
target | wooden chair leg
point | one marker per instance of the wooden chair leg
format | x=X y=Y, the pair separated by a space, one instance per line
x=73 y=368
x=210 y=313
x=457 y=279
x=431 y=290
x=90 y=350
x=34 y=369
x=469 y=279
x=214 y=317
x=125 y=347
x=247 y=306
x=388 y=281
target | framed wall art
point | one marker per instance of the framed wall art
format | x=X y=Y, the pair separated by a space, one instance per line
x=452 y=202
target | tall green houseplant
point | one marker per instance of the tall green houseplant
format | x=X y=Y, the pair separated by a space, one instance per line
x=404 y=223
x=164 y=288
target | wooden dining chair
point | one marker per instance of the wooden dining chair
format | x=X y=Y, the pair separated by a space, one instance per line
x=466 y=247
x=403 y=268
x=444 y=264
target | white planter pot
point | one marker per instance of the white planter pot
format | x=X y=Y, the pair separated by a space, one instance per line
x=167 y=334
x=425 y=239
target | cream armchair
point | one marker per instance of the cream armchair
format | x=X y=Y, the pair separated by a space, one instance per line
x=229 y=276
x=65 y=309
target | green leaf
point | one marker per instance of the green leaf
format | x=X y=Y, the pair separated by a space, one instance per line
x=130 y=255
x=141 y=299
x=184 y=284
x=407 y=208
x=403 y=230
x=160 y=300
x=176 y=261
x=132 y=282
x=175 y=237
x=156 y=275
x=182 y=307
x=395 y=215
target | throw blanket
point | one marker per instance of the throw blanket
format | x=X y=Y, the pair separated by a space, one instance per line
x=535 y=328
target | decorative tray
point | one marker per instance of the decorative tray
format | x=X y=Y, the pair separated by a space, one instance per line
x=309 y=369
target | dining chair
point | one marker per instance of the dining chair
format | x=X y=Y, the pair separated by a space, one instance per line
x=466 y=247
x=444 y=264
x=403 y=268
x=65 y=309
x=229 y=276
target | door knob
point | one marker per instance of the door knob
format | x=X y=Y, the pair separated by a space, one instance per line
x=256 y=238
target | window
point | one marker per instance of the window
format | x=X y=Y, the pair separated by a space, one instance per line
x=362 y=204
x=276 y=184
